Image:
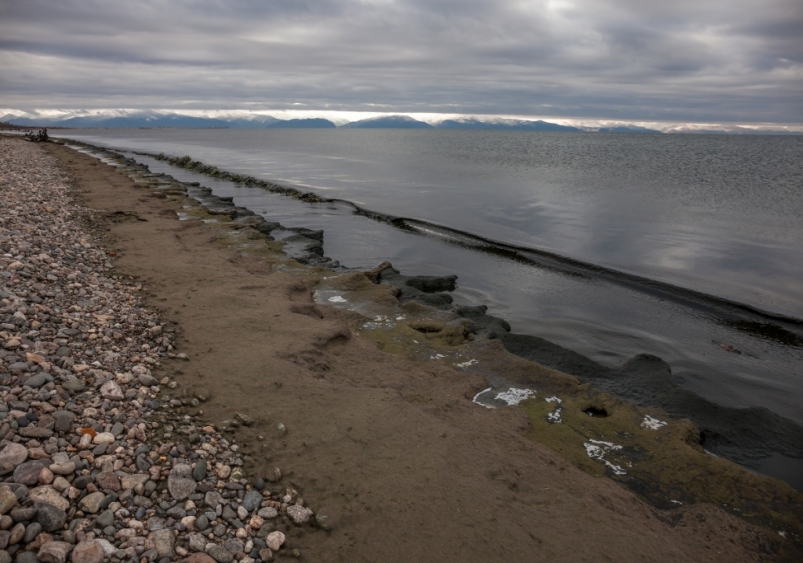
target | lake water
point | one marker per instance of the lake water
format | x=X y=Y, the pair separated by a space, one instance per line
x=654 y=223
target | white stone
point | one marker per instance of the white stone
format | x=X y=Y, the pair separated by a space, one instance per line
x=13 y=454
x=275 y=540
x=104 y=438
x=111 y=390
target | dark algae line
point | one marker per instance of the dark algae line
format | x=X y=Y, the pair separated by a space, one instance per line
x=768 y=325
x=667 y=466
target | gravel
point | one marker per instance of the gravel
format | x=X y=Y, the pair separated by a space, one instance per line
x=97 y=461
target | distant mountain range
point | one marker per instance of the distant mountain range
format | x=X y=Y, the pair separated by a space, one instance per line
x=507 y=124
x=141 y=120
x=315 y=123
x=152 y=119
x=628 y=129
x=388 y=122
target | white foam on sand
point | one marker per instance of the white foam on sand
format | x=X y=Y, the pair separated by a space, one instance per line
x=514 y=396
x=597 y=449
x=337 y=299
x=511 y=397
x=554 y=416
x=477 y=396
x=467 y=364
x=652 y=423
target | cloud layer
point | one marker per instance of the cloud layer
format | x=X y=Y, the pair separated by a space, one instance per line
x=702 y=60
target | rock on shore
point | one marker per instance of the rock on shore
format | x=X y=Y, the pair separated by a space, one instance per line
x=94 y=462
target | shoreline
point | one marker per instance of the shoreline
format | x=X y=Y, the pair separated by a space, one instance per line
x=392 y=449
x=739 y=434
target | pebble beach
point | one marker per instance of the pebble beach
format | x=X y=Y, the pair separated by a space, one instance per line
x=96 y=461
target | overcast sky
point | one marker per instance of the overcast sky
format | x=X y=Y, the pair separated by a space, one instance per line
x=640 y=60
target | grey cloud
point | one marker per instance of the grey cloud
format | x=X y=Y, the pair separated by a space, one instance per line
x=623 y=59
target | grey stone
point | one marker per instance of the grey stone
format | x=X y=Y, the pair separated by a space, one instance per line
x=91 y=502
x=35 y=432
x=26 y=557
x=22 y=514
x=50 y=517
x=181 y=470
x=146 y=379
x=36 y=381
x=197 y=542
x=233 y=545
x=7 y=499
x=268 y=512
x=180 y=487
x=54 y=552
x=88 y=551
x=33 y=530
x=74 y=385
x=201 y=523
x=155 y=524
x=228 y=513
x=105 y=518
x=117 y=429
x=219 y=554
x=82 y=481
x=213 y=499
x=164 y=542
x=252 y=500
x=199 y=473
x=5 y=535
x=5 y=557
x=13 y=454
x=63 y=421
x=143 y=464
x=28 y=473
x=131 y=481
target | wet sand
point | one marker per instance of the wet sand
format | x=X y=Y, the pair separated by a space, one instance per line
x=391 y=450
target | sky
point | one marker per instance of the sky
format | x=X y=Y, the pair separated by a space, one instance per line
x=731 y=61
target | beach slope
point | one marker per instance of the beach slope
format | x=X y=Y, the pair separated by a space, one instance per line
x=392 y=451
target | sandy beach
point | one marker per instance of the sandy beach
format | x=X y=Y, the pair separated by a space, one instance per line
x=382 y=449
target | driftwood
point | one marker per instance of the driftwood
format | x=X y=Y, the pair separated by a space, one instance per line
x=40 y=137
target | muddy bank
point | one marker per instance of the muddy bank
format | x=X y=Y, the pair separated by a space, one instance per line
x=376 y=435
